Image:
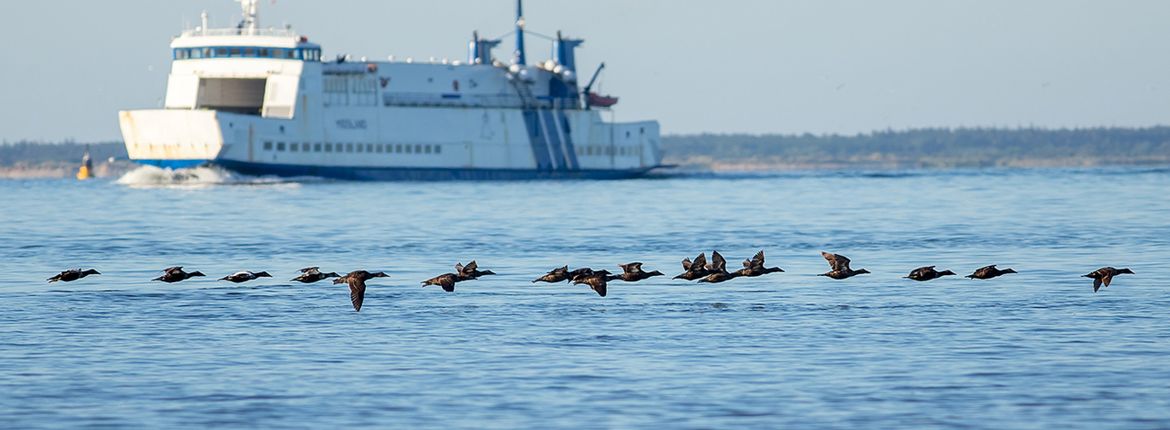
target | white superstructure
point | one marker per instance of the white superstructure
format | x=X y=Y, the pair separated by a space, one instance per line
x=263 y=101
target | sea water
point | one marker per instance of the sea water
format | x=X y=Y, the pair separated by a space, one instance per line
x=1038 y=349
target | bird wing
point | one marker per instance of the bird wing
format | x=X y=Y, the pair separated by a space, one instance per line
x=687 y=264
x=459 y=268
x=311 y=269
x=1107 y=279
x=357 y=293
x=718 y=264
x=598 y=284
x=836 y=261
x=448 y=283
x=1096 y=284
x=173 y=269
x=758 y=259
x=631 y=267
x=700 y=261
x=471 y=267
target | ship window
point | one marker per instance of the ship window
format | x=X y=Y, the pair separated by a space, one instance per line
x=398 y=148
x=280 y=146
x=292 y=53
x=267 y=146
x=328 y=147
x=427 y=149
x=369 y=147
x=627 y=135
x=235 y=52
x=438 y=149
x=264 y=53
x=221 y=52
x=316 y=147
x=359 y=147
x=294 y=147
x=349 y=147
x=196 y=53
x=407 y=149
x=249 y=52
x=418 y=149
x=277 y=53
x=380 y=148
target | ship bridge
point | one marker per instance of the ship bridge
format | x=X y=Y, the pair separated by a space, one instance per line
x=245 y=70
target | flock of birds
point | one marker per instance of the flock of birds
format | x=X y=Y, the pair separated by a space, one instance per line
x=597 y=280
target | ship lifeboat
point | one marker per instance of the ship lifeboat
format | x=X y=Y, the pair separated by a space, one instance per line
x=601 y=101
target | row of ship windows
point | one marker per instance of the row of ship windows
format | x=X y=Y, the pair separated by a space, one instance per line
x=609 y=150
x=400 y=148
x=309 y=54
x=373 y=148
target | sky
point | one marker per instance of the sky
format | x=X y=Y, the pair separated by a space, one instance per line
x=728 y=66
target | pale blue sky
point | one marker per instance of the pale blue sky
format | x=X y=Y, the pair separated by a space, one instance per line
x=755 y=66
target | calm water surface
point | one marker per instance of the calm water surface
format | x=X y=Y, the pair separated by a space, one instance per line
x=1034 y=350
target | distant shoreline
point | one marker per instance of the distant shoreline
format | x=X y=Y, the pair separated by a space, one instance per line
x=889 y=150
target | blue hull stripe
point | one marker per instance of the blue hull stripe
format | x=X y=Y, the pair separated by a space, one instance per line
x=549 y=129
x=540 y=150
x=173 y=164
x=402 y=173
x=567 y=136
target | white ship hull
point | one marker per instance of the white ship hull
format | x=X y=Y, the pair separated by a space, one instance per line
x=263 y=102
x=391 y=143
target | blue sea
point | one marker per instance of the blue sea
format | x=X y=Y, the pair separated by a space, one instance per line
x=1038 y=349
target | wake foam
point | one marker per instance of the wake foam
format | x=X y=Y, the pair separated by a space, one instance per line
x=196 y=177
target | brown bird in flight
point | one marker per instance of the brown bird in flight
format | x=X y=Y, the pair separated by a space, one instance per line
x=357 y=285
x=839 y=267
x=927 y=273
x=988 y=272
x=1104 y=276
x=72 y=275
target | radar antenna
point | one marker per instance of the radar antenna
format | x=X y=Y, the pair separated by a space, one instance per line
x=251 y=20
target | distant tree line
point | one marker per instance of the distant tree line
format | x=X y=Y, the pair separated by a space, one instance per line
x=36 y=153
x=929 y=147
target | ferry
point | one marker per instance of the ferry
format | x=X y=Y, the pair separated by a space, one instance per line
x=265 y=101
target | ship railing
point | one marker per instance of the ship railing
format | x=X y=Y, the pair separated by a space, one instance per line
x=274 y=32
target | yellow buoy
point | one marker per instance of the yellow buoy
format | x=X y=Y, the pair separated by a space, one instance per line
x=86 y=169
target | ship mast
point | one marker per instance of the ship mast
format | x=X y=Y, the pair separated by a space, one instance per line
x=251 y=20
x=520 y=58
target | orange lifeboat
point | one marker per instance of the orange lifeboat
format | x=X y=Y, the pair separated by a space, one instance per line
x=601 y=101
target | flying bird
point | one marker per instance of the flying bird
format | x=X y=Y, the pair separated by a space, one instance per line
x=988 y=272
x=72 y=275
x=310 y=275
x=1104 y=276
x=693 y=270
x=632 y=272
x=245 y=276
x=928 y=273
x=559 y=274
x=471 y=271
x=447 y=281
x=598 y=281
x=717 y=270
x=755 y=266
x=357 y=285
x=839 y=267
x=176 y=274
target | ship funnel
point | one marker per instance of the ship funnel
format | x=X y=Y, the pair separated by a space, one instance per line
x=479 y=51
x=566 y=52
